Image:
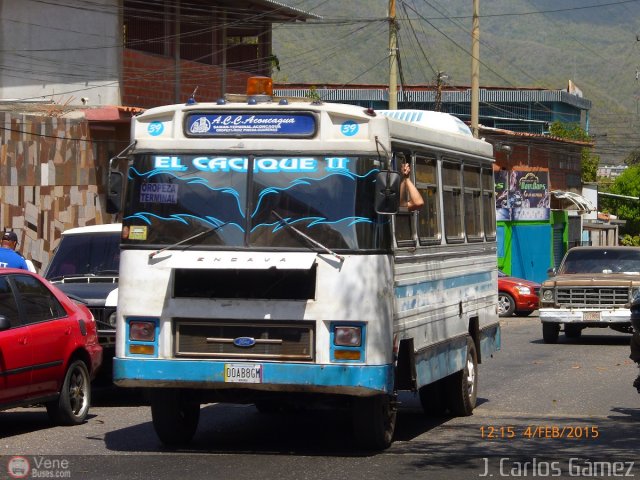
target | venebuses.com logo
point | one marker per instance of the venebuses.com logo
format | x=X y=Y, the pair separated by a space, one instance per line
x=18 y=467
x=38 y=467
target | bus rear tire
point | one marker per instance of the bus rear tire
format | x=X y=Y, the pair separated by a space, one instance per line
x=374 y=421
x=175 y=418
x=462 y=386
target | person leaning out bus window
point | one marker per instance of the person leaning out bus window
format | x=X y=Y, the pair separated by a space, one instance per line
x=409 y=195
x=8 y=257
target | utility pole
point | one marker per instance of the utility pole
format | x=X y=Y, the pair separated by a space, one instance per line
x=475 y=69
x=393 y=56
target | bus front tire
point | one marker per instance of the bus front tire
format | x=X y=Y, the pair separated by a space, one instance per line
x=175 y=418
x=462 y=386
x=374 y=421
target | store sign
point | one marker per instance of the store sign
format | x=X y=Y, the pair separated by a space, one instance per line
x=522 y=195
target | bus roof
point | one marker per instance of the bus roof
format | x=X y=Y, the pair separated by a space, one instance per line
x=419 y=127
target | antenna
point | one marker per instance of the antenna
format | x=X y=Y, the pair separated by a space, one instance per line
x=192 y=98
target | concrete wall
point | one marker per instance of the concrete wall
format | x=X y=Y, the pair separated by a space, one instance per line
x=60 y=53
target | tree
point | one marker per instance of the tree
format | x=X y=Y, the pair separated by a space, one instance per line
x=628 y=184
x=573 y=131
x=633 y=158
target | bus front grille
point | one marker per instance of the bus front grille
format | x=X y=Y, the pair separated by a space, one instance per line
x=239 y=340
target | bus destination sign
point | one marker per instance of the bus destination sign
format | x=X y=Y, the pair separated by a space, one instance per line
x=264 y=124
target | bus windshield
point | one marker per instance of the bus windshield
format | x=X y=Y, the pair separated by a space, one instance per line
x=255 y=201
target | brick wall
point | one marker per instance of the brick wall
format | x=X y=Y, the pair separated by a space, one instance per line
x=148 y=80
x=50 y=181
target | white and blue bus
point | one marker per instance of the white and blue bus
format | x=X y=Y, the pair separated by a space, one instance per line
x=265 y=260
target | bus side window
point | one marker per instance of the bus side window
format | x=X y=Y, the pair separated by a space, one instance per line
x=428 y=215
x=488 y=204
x=404 y=223
x=452 y=199
x=472 y=203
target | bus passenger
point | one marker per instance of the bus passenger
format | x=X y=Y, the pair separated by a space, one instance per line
x=8 y=257
x=409 y=195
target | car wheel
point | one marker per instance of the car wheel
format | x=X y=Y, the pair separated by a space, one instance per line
x=506 y=305
x=374 y=421
x=175 y=418
x=572 y=331
x=550 y=332
x=462 y=386
x=72 y=406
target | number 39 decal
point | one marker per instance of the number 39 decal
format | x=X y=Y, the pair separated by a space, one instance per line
x=349 y=128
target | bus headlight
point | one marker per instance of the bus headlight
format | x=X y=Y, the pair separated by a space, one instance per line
x=140 y=331
x=347 y=336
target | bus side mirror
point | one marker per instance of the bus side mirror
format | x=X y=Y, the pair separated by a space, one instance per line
x=387 y=192
x=114 y=192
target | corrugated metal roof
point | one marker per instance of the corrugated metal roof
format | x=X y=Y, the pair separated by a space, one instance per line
x=335 y=95
x=500 y=131
x=289 y=9
x=427 y=94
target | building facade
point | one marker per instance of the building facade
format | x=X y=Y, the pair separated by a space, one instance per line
x=69 y=68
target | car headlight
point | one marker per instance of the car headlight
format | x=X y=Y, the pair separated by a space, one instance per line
x=547 y=295
x=111 y=320
x=523 y=290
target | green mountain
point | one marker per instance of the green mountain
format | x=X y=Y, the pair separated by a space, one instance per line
x=524 y=43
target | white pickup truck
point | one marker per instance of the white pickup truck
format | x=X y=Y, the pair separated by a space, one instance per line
x=593 y=287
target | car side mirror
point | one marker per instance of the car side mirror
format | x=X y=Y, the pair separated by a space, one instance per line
x=552 y=272
x=114 y=192
x=5 y=324
x=387 y=192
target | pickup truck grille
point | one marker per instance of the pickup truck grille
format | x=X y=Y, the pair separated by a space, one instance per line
x=597 y=297
x=272 y=341
x=106 y=331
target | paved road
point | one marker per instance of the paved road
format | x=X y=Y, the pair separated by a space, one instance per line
x=544 y=410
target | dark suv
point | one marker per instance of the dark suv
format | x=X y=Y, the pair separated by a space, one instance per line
x=85 y=267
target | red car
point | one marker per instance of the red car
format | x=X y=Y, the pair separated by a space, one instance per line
x=49 y=349
x=516 y=295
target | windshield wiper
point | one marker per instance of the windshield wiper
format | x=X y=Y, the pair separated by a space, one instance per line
x=193 y=237
x=307 y=238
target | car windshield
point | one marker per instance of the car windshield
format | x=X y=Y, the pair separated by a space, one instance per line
x=92 y=254
x=601 y=261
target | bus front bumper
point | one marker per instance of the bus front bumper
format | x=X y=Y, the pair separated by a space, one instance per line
x=356 y=379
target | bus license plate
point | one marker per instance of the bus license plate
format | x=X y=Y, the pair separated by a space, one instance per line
x=242 y=373
x=591 y=316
